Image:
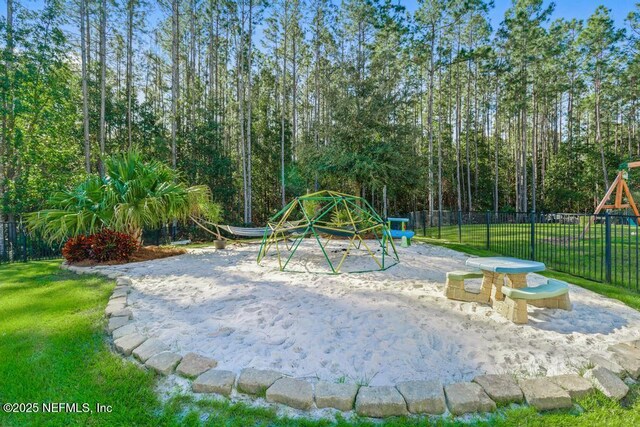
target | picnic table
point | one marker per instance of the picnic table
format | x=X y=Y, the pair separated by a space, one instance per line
x=496 y=269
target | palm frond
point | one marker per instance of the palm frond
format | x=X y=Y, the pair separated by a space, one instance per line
x=133 y=195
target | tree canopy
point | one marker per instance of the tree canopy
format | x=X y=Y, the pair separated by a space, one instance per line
x=264 y=101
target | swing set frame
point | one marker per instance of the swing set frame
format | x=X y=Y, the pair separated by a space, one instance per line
x=621 y=188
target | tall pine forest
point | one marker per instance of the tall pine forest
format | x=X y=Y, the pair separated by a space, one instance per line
x=436 y=106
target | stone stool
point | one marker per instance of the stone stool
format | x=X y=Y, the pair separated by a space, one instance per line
x=454 y=288
x=553 y=294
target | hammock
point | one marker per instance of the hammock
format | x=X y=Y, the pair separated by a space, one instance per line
x=244 y=231
x=236 y=231
x=293 y=228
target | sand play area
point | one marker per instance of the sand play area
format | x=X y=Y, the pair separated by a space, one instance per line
x=376 y=328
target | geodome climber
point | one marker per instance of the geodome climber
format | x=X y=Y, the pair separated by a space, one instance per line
x=327 y=217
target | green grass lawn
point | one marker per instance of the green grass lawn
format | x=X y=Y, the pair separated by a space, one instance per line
x=563 y=247
x=53 y=349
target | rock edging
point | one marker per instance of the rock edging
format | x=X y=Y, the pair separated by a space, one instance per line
x=484 y=394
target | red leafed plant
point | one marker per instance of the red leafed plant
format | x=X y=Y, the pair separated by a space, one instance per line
x=78 y=248
x=105 y=245
x=109 y=245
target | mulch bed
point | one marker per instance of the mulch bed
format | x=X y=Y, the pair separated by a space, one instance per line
x=145 y=253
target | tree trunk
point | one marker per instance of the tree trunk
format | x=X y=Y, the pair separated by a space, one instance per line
x=467 y=132
x=534 y=154
x=249 y=123
x=599 y=136
x=430 y=119
x=440 y=154
x=457 y=134
x=284 y=103
x=175 y=78
x=103 y=82
x=85 y=91
x=241 y=107
x=129 y=73
x=7 y=152
x=496 y=130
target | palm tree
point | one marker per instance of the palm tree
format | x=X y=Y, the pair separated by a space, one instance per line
x=132 y=195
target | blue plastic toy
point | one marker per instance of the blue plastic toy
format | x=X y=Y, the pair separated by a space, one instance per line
x=402 y=233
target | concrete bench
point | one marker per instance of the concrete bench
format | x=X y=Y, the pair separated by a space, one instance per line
x=553 y=294
x=454 y=287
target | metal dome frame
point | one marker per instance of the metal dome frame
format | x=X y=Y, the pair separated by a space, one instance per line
x=295 y=222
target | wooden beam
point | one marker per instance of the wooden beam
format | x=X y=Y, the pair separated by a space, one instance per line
x=632 y=203
x=606 y=197
x=622 y=206
x=619 y=192
x=632 y=165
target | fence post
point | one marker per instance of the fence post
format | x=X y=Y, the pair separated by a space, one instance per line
x=488 y=217
x=459 y=226
x=607 y=247
x=439 y=224
x=25 y=254
x=424 y=223
x=533 y=235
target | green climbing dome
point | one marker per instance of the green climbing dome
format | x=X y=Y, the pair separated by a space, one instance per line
x=329 y=217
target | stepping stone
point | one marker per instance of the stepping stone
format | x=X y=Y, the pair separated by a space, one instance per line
x=576 y=386
x=423 y=397
x=113 y=308
x=117 y=322
x=118 y=298
x=609 y=364
x=502 y=388
x=125 y=312
x=467 y=397
x=128 y=343
x=607 y=382
x=123 y=281
x=543 y=394
x=338 y=396
x=151 y=347
x=127 y=329
x=120 y=292
x=214 y=381
x=118 y=303
x=194 y=364
x=628 y=357
x=256 y=381
x=163 y=363
x=380 y=402
x=291 y=392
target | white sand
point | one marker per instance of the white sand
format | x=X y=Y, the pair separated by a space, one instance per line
x=378 y=328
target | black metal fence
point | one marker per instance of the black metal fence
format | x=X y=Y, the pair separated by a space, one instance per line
x=604 y=248
x=18 y=245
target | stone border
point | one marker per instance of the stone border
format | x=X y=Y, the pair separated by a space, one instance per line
x=483 y=395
